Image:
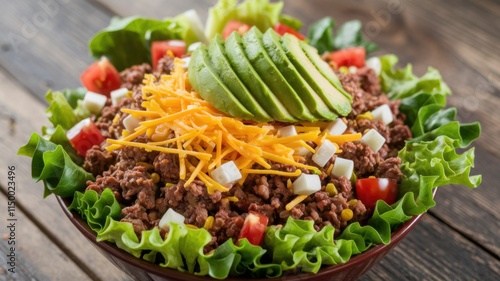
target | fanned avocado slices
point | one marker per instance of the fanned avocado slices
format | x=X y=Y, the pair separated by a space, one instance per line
x=267 y=77
x=271 y=42
x=222 y=67
x=206 y=82
x=270 y=74
x=245 y=71
x=328 y=92
x=323 y=67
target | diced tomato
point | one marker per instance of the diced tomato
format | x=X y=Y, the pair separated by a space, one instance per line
x=369 y=190
x=355 y=56
x=160 y=48
x=234 y=25
x=254 y=228
x=101 y=77
x=84 y=135
x=283 y=28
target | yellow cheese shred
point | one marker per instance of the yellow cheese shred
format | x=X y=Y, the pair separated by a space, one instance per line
x=295 y=201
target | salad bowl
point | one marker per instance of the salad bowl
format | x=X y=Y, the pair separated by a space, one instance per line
x=142 y=270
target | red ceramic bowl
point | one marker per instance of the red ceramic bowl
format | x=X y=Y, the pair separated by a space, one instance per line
x=143 y=270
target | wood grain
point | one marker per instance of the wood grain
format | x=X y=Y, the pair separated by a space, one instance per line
x=31 y=262
x=425 y=255
x=46 y=48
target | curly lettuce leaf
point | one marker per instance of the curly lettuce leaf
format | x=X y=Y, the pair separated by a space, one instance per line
x=52 y=165
x=65 y=108
x=440 y=159
x=73 y=96
x=58 y=136
x=321 y=36
x=261 y=13
x=126 y=41
x=95 y=208
x=350 y=34
x=402 y=83
x=297 y=245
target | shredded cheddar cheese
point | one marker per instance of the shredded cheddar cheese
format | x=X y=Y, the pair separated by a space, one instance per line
x=177 y=120
x=295 y=201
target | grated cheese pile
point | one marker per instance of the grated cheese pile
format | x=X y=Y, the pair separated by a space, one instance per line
x=204 y=138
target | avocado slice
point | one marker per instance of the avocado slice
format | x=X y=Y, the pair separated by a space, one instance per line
x=330 y=95
x=271 y=42
x=323 y=67
x=223 y=69
x=245 y=71
x=267 y=70
x=206 y=82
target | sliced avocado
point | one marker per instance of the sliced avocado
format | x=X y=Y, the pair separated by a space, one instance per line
x=262 y=63
x=271 y=42
x=323 y=67
x=330 y=95
x=223 y=69
x=206 y=82
x=245 y=71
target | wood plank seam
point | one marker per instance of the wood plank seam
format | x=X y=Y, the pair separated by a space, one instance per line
x=463 y=234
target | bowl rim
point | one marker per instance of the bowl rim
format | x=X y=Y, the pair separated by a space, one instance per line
x=153 y=268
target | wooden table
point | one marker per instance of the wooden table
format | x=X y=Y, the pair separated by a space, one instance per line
x=43 y=45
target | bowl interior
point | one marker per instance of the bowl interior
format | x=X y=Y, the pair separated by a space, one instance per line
x=143 y=270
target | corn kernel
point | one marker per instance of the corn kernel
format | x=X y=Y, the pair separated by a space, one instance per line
x=155 y=177
x=352 y=202
x=232 y=199
x=209 y=222
x=116 y=119
x=367 y=115
x=146 y=165
x=331 y=189
x=346 y=214
x=191 y=226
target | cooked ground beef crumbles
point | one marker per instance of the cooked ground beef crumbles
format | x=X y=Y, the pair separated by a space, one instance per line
x=147 y=184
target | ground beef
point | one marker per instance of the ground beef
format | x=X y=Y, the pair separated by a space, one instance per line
x=165 y=65
x=365 y=160
x=98 y=160
x=133 y=76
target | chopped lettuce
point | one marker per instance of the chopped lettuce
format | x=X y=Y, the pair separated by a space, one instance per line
x=350 y=34
x=126 y=41
x=65 y=109
x=402 y=83
x=321 y=36
x=57 y=135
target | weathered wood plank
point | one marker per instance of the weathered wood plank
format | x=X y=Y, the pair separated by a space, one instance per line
x=20 y=116
x=432 y=251
x=44 y=43
x=157 y=8
x=475 y=213
x=29 y=248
